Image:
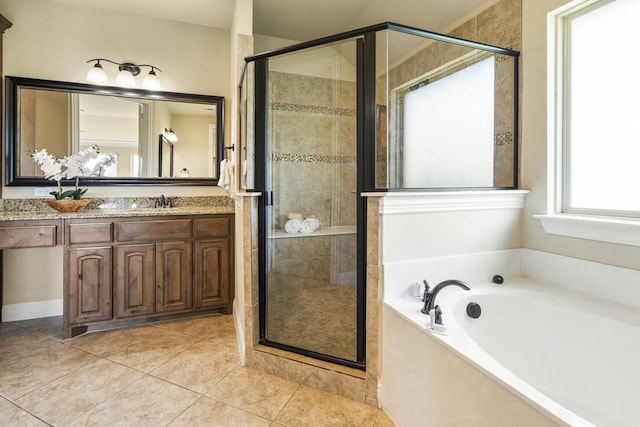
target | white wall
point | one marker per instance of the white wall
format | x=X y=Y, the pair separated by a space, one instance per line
x=60 y=38
x=52 y=40
x=418 y=228
x=534 y=148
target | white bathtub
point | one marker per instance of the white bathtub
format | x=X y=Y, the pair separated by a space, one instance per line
x=559 y=357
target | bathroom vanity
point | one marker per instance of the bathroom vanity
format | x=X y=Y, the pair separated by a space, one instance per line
x=126 y=267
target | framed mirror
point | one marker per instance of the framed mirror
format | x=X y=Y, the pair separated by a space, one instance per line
x=66 y=117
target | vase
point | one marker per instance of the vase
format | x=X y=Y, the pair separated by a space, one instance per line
x=67 y=205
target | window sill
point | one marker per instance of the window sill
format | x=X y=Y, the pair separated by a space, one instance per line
x=611 y=230
x=410 y=202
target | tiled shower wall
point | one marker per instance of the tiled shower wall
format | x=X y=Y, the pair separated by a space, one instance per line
x=313 y=140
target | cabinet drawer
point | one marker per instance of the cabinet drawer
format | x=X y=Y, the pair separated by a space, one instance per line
x=137 y=231
x=90 y=233
x=213 y=227
x=28 y=236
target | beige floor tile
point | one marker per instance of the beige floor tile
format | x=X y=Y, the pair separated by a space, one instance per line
x=383 y=420
x=17 y=342
x=72 y=395
x=11 y=415
x=147 y=402
x=10 y=329
x=146 y=350
x=200 y=367
x=103 y=342
x=49 y=326
x=209 y=412
x=199 y=327
x=311 y=407
x=25 y=374
x=225 y=333
x=254 y=391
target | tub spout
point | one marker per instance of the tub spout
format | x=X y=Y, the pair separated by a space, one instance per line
x=430 y=297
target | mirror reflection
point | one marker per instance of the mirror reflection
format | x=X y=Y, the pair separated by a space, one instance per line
x=65 y=118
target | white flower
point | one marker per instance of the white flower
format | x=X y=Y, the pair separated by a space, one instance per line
x=51 y=166
x=88 y=162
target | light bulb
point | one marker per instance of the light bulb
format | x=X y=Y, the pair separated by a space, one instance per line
x=97 y=75
x=170 y=135
x=125 y=79
x=151 y=81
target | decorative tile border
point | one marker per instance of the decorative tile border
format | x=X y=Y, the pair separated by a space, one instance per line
x=504 y=138
x=310 y=158
x=313 y=109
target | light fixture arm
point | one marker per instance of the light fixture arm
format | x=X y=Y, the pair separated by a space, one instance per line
x=129 y=66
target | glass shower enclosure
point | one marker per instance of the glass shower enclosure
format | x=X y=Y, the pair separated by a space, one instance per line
x=323 y=122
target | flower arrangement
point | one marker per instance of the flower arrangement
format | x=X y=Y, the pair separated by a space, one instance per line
x=88 y=162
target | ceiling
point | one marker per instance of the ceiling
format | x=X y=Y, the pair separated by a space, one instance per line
x=310 y=19
x=300 y=19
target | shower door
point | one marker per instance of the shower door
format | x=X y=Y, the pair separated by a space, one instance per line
x=312 y=299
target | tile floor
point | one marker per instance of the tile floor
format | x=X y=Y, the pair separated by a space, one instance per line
x=296 y=318
x=179 y=373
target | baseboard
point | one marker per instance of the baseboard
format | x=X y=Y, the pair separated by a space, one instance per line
x=31 y=310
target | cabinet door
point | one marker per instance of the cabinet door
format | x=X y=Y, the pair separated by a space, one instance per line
x=135 y=280
x=174 y=279
x=89 y=284
x=212 y=275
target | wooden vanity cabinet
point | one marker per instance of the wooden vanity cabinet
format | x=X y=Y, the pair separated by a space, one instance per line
x=30 y=234
x=135 y=280
x=213 y=275
x=168 y=264
x=89 y=285
x=126 y=268
x=174 y=276
x=88 y=269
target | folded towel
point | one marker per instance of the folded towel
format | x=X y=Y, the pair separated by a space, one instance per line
x=310 y=225
x=292 y=226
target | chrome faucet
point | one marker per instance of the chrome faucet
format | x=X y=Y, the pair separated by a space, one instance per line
x=163 y=202
x=430 y=297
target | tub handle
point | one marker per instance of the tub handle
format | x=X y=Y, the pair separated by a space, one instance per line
x=426 y=290
x=474 y=310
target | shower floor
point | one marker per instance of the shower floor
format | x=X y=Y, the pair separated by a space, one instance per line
x=312 y=314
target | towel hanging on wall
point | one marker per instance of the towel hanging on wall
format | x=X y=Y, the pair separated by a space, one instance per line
x=226 y=175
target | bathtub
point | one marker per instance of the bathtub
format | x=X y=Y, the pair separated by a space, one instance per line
x=538 y=355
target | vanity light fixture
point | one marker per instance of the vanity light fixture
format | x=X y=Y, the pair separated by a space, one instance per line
x=170 y=135
x=126 y=75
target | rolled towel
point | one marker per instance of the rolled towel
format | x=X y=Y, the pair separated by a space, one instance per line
x=310 y=225
x=293 y=226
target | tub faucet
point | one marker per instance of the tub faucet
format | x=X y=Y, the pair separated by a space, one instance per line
x=430 y=297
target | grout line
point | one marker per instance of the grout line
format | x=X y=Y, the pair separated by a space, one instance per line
x=300 y=385
x=28 y=412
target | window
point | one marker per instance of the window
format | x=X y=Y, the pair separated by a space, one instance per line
x=596 y=112
x=447 y=125
x=438 y=150
x=601 y=124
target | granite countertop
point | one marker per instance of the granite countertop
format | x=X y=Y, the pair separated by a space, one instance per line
x=35 y=209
